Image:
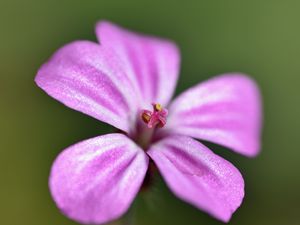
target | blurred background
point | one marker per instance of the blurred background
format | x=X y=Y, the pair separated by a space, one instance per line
x=261 y=38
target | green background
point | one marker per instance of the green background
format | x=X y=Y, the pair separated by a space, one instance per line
x=261 y=38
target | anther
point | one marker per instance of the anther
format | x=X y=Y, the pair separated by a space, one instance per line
x=157 y=107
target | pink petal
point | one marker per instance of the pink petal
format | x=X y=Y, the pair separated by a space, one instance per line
x=152 y=63
x=96 y=180
x=196 y=175
x=225 y=110
x=89 y=78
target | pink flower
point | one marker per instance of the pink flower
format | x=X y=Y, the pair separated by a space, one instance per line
x=96 y=180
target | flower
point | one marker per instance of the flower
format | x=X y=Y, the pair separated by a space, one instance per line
x=127 y=81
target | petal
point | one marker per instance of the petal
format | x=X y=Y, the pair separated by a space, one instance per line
x=225 y=110
x=87 y=77
x=152 y=63
x=96 y=180
x=196 y=175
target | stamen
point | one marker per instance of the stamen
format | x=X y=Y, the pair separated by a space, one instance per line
x=157 y=118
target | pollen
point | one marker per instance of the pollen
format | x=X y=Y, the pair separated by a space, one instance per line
x=146 y=116
x=157 y=107
x=155 y=118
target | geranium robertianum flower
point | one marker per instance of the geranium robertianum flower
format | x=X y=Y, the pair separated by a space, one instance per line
x=127 y=81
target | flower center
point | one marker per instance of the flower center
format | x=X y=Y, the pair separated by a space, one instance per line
x=147 y=125
x=156 y=118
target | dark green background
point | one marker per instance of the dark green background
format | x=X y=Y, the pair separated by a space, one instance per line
x=261 y=38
